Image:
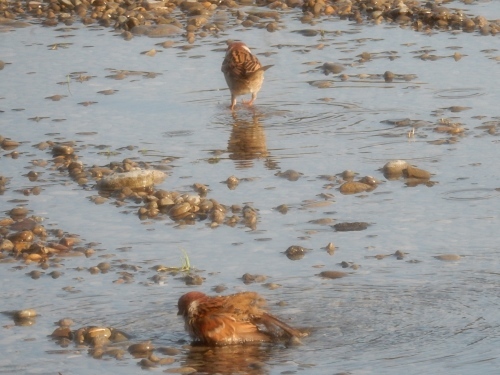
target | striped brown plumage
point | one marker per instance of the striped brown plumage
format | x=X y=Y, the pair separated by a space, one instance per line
x=233 y=319
x=243 y=72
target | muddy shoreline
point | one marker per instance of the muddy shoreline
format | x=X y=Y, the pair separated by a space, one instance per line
x=197 y=20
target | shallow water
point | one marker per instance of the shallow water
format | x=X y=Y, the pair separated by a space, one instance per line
x=417 y=315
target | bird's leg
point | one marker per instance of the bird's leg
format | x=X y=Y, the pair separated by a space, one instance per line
x=233 y=102
x=250 y=102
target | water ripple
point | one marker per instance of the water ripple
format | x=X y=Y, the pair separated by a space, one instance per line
x=461 y=93
x=471 y=194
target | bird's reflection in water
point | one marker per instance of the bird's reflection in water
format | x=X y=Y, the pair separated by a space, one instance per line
x=248 y=141
x=248 y=359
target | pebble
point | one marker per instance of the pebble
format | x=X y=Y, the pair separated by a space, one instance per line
x=169 y=351
x=249 y=278
x=193 y=280
x=140 y=349
x=330 y=248
x=9 y=144
x=35 y=274
x=219 y=288
x=272 y=286
x=334 y=68
x=290 y=175
x=147 y=363
x=352 y=187
x=282 y=209
x=24 y=314
x=394 y=169
x=414 y=172
x=65 y=322
x=166 y=361
x=295 y=252
x=60 y=149
x=448 y=257
x=232 y=182
x=349 y=227
x=389 y=76
x=104 y=266
x=136 y=179
x=181 y=370
x=332 y=274
x=62 y=332
x=55 y=274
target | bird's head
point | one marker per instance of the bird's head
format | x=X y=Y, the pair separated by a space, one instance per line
x=237 y=45
x=186 y=300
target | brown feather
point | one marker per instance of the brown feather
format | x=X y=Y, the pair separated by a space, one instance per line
x=243 y=72
x=231 y=319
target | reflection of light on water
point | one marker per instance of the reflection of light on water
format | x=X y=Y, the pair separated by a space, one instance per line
x=247 y=140
x=389 y=317
x=234 y=359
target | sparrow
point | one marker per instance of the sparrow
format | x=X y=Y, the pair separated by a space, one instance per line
x=234 y=319
x=243 y=72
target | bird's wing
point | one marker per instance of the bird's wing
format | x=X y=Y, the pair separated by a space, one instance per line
x=270 y=321
x=243 y=305
x=240 y=64
x=223 y=329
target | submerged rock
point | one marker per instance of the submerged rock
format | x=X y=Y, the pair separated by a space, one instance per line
x=136 y=179
x=156 y=31
x=332 y=274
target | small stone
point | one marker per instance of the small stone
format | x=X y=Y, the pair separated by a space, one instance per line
x=353 y=187
x=249 y=279
x=350 y=227
x=413 y=172
x=394 y=168
x=332 y=274
x=389 y=76
x=448 y=257
x=295 y=252
x=193 y=280
x=330 y=248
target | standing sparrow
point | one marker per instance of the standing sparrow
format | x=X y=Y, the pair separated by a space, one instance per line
x=232 y=319
x=243 y=72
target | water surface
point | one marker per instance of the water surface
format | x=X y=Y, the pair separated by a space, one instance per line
x=417 y=315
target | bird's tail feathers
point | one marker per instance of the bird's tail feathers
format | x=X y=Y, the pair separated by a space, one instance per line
x=271 y=321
